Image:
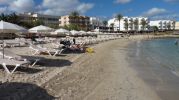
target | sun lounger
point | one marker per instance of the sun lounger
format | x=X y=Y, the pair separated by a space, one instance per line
x=15 y=63
x=57 y=45
x=10 y=55
x=39 y=50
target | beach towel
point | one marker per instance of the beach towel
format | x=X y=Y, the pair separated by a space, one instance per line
x=89 y=50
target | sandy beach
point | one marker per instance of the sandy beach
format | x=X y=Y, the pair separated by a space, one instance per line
x=89 y=50
x=103 y=75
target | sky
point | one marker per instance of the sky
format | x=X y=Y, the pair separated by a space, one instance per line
x=105 y=9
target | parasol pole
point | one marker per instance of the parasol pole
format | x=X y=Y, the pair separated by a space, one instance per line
x=3 y=48
x=3 y=44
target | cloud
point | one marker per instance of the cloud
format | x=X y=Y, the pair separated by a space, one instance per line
x=4 y=2
x=22 y=6
x=18 y=6
x=123 y=1
x=170 y=16
x=82 y=8
x=154 y=12
x=62 y=7
x=171 y=0
x=52 y=7
x=3 y=9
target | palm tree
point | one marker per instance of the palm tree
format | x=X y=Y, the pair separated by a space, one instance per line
x=126 y=25
x=38 y=22
x=105 y=23
x=144 y=24
x=169 y=26
x=3 y=17
x=13 y=18
x=112 y=25
x=119 y=17
x=131 y=24
x=173 y=25
x=136 y=25
x=74 y=13
x=74 y=19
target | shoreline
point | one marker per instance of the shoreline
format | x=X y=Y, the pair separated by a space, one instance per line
x=145 y=37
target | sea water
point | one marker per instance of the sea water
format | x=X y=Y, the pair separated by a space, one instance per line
x=160 y=52
x=156 y=62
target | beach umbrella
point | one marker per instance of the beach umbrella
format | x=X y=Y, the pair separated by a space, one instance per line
x=6 y=27
x=82 y=32
x=74 y=32
x=91 y=33
x=41 y=29
x=61 y=31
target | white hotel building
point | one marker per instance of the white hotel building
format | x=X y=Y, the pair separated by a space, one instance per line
x=129 y=24
x=95 y=23
x=163 y=24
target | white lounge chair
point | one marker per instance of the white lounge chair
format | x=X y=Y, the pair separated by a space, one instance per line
x=15 y=63
x=39 y=50
x=57 y=45
x=10 y=55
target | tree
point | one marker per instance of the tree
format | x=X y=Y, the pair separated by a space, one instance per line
x=26 y=24
x=112 y=25
x=13 y=18
x=136 y=24
x=3 y=17
x=131 y=23
x=126 y=25
x=168 y=26
x=119 y=17
x=74 y=14
x=73 y=27
x=38 y=22
x=66 y=27
x=144 y=24
x=53 y=26
x=154 y=28
x=105 y=23
x=173 y=25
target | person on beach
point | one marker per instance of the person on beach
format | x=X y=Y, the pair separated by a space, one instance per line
x=33 y=39
x=74 y=41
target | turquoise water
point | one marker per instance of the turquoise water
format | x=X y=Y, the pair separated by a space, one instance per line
x=157 y=64
x=160 y=52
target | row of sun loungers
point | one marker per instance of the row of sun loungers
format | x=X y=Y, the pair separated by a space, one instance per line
x=12 y=59
x=14 y=43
